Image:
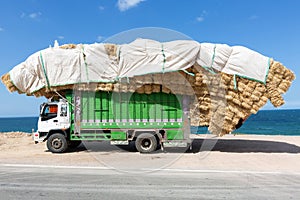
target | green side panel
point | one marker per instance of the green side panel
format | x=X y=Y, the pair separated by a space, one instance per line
x=118 y=135
x=116 y=99
x=138 y=107
x=124 y=106
x=104 y=106
x=145 y=107
x=110 y=107
x=91 y=106
x=84 y=107
x=175 y=135
x=131 y=107
x=115 y=111
x=98 y=106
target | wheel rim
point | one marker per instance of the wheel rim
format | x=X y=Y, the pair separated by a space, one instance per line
x=56 y=143
x=146 y=144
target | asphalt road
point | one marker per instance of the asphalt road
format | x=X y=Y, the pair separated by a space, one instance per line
x=71 y=182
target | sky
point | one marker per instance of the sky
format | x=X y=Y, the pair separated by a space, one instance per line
x=269 y=27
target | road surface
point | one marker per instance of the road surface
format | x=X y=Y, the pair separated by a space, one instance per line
x=19 y=181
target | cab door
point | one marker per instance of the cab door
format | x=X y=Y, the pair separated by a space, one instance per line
x=48 y=118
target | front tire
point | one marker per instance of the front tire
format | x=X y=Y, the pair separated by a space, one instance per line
x=146 y=143
x=57 y=143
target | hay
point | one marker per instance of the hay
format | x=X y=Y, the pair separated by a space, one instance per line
x=111 y=50
x=9 y=84
x=68 y=46
x=218 y=103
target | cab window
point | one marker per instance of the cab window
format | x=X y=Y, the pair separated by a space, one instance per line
x=49 y=112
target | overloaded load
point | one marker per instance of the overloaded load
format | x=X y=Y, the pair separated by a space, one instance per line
x=109 y=63
x=228 y=83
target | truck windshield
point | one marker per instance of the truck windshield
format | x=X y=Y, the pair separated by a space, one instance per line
x=49 y=112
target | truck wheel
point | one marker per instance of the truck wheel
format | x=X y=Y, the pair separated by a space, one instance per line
x=74 y=143
x=146 y=143
x=57 y=143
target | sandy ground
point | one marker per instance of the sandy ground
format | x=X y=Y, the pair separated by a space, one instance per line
x=232 y=153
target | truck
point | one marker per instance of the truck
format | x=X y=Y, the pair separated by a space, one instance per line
x=151 y=121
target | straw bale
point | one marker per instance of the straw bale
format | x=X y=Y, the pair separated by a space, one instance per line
x=140 y=90
x=68 y=46
x=204 y=107
x=245 y=94
x=9 y=84
x=157 y=78
x=165 y=90
x=116 y=87
x=191 y=80
x=255 y=97
x=229 y=97
x=226 y=78
x=254 y=109
x=241 y=86
x=235 y=120
x=148 y=89
x=198 y=80
x=243 y=113
x=109 y=87
x=229 y=116
x=260 y=88
x=232 y=108
x=276 y=80
x=111 y=50
x=133 y=87
x=236 y=101
x=123 y=88
x=156 y=88
x=283 y=87
x=289 y=75
x=252 y=85
x=246 y=105
x=256 y=93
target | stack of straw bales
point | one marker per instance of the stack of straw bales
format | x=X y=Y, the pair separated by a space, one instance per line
x=222 y=106
x=221 y=101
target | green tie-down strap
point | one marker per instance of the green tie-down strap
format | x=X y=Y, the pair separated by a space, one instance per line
x=210 y=68
x=44 y=70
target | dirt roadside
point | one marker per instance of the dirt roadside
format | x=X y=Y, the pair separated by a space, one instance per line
x=231 y=152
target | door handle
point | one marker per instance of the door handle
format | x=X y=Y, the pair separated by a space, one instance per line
x=55 y=120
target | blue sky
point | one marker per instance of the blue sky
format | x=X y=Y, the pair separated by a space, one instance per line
x=26 y=26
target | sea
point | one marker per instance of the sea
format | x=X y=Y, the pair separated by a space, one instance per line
x=265 y=122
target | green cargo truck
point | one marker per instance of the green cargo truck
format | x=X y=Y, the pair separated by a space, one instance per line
x=150 y=120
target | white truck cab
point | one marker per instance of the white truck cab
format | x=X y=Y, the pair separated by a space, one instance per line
x=54 y=116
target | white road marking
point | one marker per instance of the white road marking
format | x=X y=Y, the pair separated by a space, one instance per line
x=150 y=169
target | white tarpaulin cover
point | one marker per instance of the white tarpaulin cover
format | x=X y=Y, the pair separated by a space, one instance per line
x=91 y=62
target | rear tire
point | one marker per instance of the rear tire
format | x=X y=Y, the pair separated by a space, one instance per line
x=146 y=143
x=57 y=143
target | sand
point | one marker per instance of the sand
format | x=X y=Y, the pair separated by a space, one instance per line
x=231 y=152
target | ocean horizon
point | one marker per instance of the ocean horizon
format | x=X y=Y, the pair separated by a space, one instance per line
x=265 y=122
